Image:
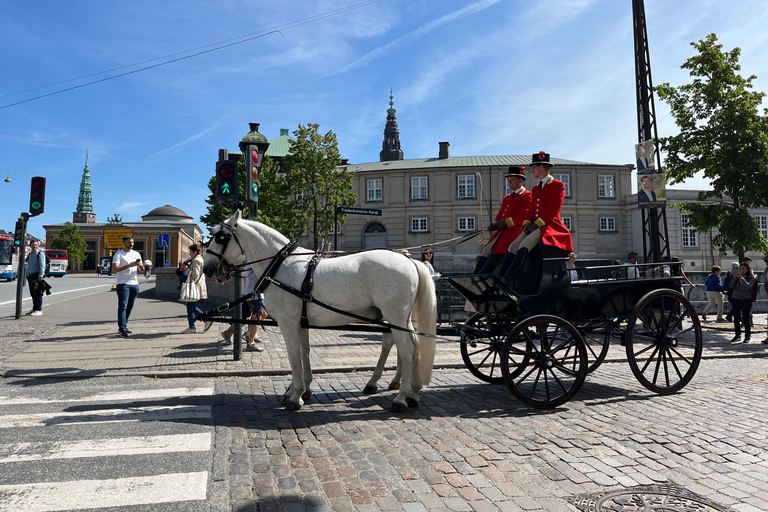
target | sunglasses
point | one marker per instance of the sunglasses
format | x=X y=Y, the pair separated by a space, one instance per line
x=428 y=254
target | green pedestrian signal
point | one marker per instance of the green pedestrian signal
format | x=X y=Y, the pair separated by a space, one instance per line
x=226 y=182
x=255 y=189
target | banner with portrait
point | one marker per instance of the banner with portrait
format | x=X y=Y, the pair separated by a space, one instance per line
x=645 y=157
x=651 y=190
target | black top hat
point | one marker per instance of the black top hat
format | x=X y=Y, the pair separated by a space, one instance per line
x=540 y=158
x=516 y=172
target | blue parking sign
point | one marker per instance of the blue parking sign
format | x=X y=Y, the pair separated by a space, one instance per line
x=164 y=240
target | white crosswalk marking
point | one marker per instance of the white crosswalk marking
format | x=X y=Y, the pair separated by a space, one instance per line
x=105 y=447
x=118 y=492
x=123 y=447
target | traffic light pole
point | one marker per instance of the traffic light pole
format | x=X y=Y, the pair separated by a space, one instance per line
x=21 y=268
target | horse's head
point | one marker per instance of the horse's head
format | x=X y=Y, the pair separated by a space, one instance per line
x=221 y=252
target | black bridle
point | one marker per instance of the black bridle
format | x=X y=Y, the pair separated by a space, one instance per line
x=222 y=237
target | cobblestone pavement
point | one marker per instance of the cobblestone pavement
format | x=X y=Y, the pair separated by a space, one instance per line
x=472 y=447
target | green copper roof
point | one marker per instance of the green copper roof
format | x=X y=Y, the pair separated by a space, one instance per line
x=280 y=146
x=85 y=198
x=463 y=161
x=254 y=136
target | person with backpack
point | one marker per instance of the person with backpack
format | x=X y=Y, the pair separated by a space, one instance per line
x=743 y=284
x=729 y=290
x=35 y=272
x=714 y=294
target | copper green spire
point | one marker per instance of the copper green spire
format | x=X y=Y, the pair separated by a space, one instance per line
x=85 y=199
x=391 y=109
x=390 y=149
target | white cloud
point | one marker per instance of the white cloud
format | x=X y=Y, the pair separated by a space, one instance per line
x=130 y=207
x=185 y=141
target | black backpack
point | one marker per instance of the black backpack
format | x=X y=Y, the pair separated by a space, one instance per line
x=47 y=264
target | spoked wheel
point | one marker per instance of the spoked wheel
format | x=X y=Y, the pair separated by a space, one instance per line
x=664 y=341
x=482 y=347
x=597 y=339
x=544 y=361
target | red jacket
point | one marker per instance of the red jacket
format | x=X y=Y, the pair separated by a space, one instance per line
x=514 y=210
x=546 y=214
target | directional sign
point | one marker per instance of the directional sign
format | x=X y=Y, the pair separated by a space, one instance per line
x=164 y=240
x=358 y=211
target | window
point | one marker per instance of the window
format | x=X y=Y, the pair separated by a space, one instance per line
x=605 y=186
x=419 y=224
x=466 y=223
x=762 y=224
x=338 y=230
x=566 y=179
x=467 y=186
x=607 y=224
x=568 y=223
x=374 y=190
x=419 y=188
x=689 y=236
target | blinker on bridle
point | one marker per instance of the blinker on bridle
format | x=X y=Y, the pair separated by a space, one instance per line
x=222 y=237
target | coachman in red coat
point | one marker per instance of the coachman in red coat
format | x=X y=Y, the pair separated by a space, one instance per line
x=543 y=223
x=508 y=224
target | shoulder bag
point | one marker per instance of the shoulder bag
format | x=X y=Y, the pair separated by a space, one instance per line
x=190 y=291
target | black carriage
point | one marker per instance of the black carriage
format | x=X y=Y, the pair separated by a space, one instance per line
x=543 y=333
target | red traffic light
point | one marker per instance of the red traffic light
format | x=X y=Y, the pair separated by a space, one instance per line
x=255 y=156
x=37 y=183
x=226 y=171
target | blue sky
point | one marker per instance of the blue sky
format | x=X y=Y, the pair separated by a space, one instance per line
x=490 y=76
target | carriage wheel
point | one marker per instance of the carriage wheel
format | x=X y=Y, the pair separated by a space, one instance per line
x=664 y=341
x=544 y=361
x=597 y=339
x=481 y=350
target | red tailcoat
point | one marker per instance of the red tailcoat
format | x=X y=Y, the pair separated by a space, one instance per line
x=516 y=207
x=546 y=213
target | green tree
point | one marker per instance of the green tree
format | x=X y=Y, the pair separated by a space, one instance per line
x=72 y=241
x=317 y=182
x=724 y=135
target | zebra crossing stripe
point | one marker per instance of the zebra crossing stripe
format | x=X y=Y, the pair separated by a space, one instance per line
x=139 y=394
x=153 y=413
x=24 y=452
x=118 y=492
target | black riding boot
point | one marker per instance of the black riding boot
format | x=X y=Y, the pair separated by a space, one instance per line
x=515 y=266
x=481 y=261
x=484 y=265
x=505 y=263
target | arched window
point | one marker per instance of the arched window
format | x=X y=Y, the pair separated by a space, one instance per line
x=375 y=236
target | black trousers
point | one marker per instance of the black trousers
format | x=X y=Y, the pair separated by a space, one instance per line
x=741 y=308
x=36 y=292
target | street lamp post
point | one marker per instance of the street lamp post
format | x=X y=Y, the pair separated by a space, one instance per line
x=254 y=146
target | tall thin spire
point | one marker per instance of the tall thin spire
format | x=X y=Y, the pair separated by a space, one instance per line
x=390 y=149
x=85 y=199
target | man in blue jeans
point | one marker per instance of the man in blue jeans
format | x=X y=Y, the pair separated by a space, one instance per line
x=126 y=264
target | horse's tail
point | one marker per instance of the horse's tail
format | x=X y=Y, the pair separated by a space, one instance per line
x=425 y=317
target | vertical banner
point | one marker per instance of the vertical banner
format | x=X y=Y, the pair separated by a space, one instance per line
x=646 y=161
x=651 y=190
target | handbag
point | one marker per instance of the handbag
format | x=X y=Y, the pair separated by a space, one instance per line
x=189 y=291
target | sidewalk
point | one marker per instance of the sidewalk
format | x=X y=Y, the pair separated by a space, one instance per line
x=79 y=339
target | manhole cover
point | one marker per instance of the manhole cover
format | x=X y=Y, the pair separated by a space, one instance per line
x=666 y=498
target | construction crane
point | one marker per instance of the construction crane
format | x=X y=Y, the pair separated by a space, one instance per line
x=655 y=236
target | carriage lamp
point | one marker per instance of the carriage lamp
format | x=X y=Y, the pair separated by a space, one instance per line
x=253 y=146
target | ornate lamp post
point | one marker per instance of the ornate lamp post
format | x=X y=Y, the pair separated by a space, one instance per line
x=254 y=146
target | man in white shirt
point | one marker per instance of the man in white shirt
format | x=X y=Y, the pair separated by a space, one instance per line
x=631 y=262
x=126 y=264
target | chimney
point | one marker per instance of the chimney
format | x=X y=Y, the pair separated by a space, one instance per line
x=283 y=131
x=444 y=150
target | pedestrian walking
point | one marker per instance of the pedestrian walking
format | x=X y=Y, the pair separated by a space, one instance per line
x=126 y=263
x=715 y=293
x=729 y=289
x=147 y=269
x=35 y=271
x=193 y=270
x=743 y=283
x=256 y=305
x=765 y=287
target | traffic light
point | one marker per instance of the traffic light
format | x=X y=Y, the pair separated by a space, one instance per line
x=226 y=182
x=37 y=196
x=254 y=157
x=18 y=234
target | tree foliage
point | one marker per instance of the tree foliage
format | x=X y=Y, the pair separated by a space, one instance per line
x=317 y=183
x=724 y=135
x=72 y=241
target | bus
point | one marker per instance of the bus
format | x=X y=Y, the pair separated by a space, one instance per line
x=9 y=259
x=58 y=262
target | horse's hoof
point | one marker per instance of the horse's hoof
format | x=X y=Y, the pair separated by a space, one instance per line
x=396 y=407
x=411 y=402
x=306 y=395
x=394 y=385
x=369 y=389
x=292 y=406
x=286 y=399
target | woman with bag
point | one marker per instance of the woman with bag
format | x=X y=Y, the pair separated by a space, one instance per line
x=193 y=289
x=743 y=283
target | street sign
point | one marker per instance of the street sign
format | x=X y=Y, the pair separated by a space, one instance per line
x=164 y=240
x=358 y=211
x=113 y=238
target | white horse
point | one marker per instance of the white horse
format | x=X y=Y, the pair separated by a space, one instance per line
x=380 y=284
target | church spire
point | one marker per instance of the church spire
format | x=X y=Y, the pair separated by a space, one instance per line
x=84 y=212
x=391 y=147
